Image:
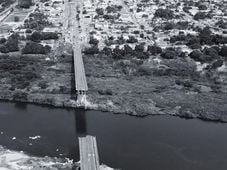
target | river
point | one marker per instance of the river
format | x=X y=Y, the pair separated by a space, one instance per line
x=125 y=142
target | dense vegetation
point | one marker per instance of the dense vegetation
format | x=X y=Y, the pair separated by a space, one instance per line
x=10 y=44
x=37 y=21
x=35 y=48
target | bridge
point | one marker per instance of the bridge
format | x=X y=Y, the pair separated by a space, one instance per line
x=71 y=25
x=87 y=144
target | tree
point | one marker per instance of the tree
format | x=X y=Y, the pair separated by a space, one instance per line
x=154 y=49
x=36 y=36
x=93 y=41
x=99 y=11
x=2 y=40
x=10 y=45
x=35 y=48
x=164 y=13
x=92 y=50
x=223 y=51
x=169 y=53
x=24 y=3
x=132 y=39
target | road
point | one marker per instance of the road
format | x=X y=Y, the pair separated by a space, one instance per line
x=71 y=29
x=4 y=14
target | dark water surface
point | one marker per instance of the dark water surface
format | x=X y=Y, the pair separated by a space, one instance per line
x=129 y=143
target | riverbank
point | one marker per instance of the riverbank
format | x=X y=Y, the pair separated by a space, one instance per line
x=20 y=161
x=43 y=79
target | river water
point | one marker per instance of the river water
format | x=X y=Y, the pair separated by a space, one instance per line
x=125 y=142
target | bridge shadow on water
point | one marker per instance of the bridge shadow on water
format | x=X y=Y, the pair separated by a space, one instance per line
x=80 y=122
x=80 y=125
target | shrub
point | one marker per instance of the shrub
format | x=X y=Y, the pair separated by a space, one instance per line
x=219 y=39
x=144 y=70
x=28 y=31
x=169 y=53
x=91 y=50
x=120 y=40
x=2 y=40
x=10 y=45
x=205 y=36
x=118 y=53
x=182 y=25
x=139 y=48
x=186 y=9
x=16 y=19
x=199 y=56
x=99 y=11
x=107 y=51
x=132 y=40
x=113 y=9
x=164 y=13
x=36 y=36
x=216 y=64
x=211 y=52
x=202 y=7
x=201 y=15
x=136 y=32
x=43 y=84
x=49 y=35
x=196 y=55
x=222 y=24
x=180 y=37
x=20 y=95
x=154 y=49
x=128 y=50
x=93 y=41
x=105 y=92
x=108 y=17
x=35 y=48
x=193 y=42
x=169 y=26
x=142 y=55
x=223 y=51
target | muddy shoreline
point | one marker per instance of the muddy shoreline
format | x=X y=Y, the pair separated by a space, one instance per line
x=114 y=110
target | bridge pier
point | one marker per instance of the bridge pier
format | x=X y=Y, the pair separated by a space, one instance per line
x=81 y=92
x=81 y=98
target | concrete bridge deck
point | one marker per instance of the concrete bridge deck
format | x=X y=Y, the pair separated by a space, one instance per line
x=89 y=158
